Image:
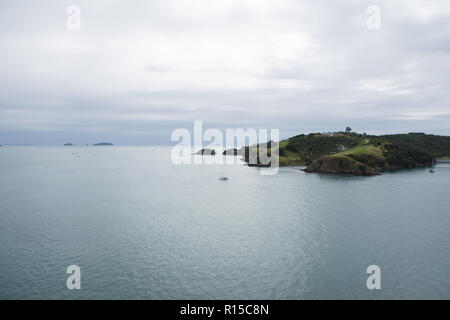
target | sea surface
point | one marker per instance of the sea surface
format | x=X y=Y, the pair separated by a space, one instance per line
x=141 y=227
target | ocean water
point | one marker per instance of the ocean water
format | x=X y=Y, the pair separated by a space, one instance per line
x=140 y=227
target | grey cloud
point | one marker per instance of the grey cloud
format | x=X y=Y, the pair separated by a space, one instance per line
x=136 y=71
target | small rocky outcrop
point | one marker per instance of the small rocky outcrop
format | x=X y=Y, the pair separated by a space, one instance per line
x=231 y=152
x=206 y=152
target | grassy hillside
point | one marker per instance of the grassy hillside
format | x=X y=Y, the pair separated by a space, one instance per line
x=303 y=149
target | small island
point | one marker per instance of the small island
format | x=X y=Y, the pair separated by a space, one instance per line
x=103 y=144
x=206 y=152
x=68 y=144
x=231 y=152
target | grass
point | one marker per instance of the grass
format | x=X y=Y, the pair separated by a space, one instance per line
x=287 y=161
x=292 y=158
x=284 y=143
x=365 y=149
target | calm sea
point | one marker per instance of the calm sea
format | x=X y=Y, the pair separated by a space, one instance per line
x=140 y=227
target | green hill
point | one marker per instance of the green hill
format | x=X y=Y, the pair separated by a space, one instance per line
x=353 y=153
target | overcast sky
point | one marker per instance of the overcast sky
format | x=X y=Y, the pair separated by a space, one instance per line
x=136 y=70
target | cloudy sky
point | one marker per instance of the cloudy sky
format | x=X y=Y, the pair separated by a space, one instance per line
x=136 y=70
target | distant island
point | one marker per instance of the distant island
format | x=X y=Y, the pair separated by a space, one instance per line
x=68 y=144
x=103 y=144
x=206 y=152
x=232 y=152
x=354 y=153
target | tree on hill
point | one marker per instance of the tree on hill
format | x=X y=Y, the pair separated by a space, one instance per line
x=348 y=130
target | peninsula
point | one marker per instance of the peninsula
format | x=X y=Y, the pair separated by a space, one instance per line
x=354 y=153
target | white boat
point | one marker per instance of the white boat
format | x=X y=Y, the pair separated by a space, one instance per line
x=223 y=178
